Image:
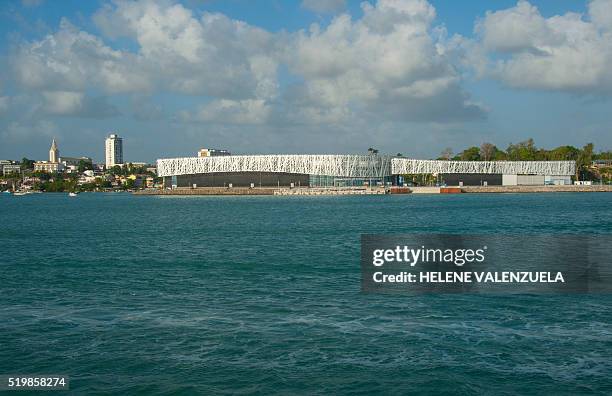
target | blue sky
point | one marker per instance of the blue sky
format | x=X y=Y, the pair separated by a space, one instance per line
x=312 y=76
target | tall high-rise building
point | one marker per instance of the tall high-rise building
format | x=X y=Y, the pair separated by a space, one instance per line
x=53 y=152
x=114 y=150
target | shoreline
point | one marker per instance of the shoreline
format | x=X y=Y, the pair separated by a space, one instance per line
x=537 y=189
x=302 y=191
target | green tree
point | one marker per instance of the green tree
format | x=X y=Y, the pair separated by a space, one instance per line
x=13 y=179
x=104 y=184
x=523 y=151
x=541 y=155
x=26 y=164
x=127 y=169
x=88 y=187
x=583 y=162
x=41 y=175
x=499 y=155
x=84 y=165
x=470 y=154
x=603 y=155
x=567 y=153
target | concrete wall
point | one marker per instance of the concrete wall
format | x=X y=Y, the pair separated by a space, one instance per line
x=509 y=180
x=537 y=189
x=530 y=180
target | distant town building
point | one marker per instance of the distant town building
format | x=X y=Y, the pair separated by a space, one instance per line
x=7 y=169
x=50 y=167
x=53 y=165
x=212 y=152
x=602 y=163
x=3 y=163
x=71 y=164
x=53 y=152
x=75 y=161
x=114 y=150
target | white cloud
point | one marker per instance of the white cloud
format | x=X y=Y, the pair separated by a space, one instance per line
x=212 y=55
x=73 y=60
x=63 y=102
x=177 y=52
x=19 y=131
x=600 y=12
x=324 y=6
x=387 y=63
x=251 y=111
x=567 y=52
x=515 y=29
x=67 y=103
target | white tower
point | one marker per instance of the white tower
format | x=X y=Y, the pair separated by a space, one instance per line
x=114 y=150
x=53 y=152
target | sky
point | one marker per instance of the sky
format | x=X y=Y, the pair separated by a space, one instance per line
x=310 y=76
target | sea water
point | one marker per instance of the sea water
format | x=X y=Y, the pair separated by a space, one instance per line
x=246 y=294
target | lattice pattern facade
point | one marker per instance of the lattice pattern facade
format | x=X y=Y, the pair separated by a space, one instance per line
x=332 y=165
x=357 y=166
x=410 y=166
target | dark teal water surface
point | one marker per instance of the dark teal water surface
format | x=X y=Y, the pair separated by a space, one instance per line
x=242 y=295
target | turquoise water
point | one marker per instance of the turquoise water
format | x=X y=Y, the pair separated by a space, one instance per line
x=241 y=295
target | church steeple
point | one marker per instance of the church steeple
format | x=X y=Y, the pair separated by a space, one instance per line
x=53 y=152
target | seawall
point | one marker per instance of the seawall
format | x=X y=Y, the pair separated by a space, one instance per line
x=536 y=189
x=371 y=191
x=209 y=191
